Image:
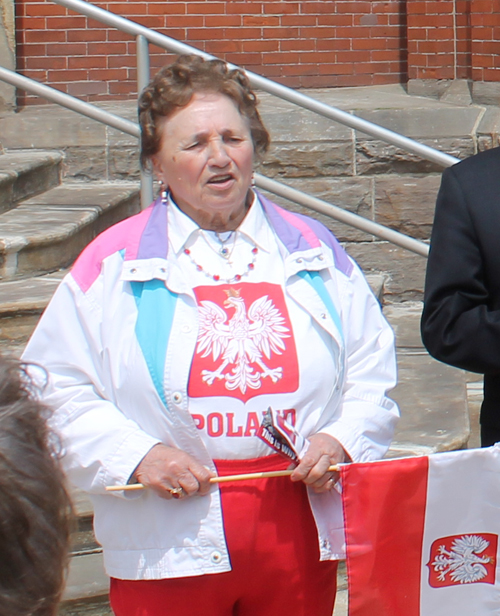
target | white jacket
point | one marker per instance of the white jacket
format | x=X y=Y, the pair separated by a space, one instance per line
x=117 y=340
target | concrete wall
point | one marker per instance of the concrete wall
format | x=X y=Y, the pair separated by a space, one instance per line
x=7 y=51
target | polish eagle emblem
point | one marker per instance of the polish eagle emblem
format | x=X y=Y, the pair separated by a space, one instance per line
x=242 y=342
x=464 y=561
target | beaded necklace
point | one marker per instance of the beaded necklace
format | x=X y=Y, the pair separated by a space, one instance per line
x=216 y=277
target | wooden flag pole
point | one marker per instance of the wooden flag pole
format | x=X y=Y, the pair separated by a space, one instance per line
x=263 y=475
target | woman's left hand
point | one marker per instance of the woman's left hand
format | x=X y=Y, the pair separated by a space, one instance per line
x=324 y=451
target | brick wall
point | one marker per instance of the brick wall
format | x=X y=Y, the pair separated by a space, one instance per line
x=454 y=39
x=306 y=43
x=485 y=37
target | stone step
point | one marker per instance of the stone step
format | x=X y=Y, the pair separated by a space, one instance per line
x=47 y=232
x=432 y=396
x=26 y=173
x=21 y=304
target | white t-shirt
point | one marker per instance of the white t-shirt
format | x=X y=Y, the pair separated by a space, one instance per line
x=256 y=346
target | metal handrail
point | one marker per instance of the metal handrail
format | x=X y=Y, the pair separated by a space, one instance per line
x=277 y=188
x=257 y=81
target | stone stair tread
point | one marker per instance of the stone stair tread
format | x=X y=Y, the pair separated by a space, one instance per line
x=431 y=395
x=60 y=211
x=86 y=578
x=24 y=173
x=15 y=162
x=47 y=232
x=28 y=294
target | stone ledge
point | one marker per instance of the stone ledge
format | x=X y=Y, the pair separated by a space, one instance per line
x=24 y=174
x=49 y=231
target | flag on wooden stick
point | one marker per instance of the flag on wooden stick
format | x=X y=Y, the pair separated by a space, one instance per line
x=422 y=535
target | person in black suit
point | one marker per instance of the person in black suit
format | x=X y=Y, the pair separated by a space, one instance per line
x=461 y=318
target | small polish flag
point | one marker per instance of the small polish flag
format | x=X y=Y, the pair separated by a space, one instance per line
x=422 y=535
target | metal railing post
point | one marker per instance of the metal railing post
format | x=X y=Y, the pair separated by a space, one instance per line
x=143 y=76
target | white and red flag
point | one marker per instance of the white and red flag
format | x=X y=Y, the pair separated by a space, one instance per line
x=422 y=535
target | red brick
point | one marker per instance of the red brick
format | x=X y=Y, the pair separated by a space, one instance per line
x=309 y=57
x=317 y=32
x=243 y=8
x=276 y=58
x=45 y=36
x=482 y=6
x=43 y=63
x=205 y=8
x=281 y=8
x=103 y=49
x=435 y=46
x=66 y=49
x=212 y=21
x=327 y=69
x=244 y=59
x=243 y=33
x=89 y=61
x=300 y=69
x=76 y=36
x=30 y=23
x=167 y=8
x=335 y=20
x=260 y=45
x=24 y=50
x=352 y=56
x=111 y=74
x=353 y=7
x=128 y=8
x=299 y=20
x=280 y=33
x=319 y=7
x=297 y=45
x=259 y=20
x=201 y=34
x=333 y=44
x=387 y=7
x=484 y=34
x=45 y=8
x=67 y=75
x=66 y=23
x=119 y=87
x=318 y=81
x=217 y=47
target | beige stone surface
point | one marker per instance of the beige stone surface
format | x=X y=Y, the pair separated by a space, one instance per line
x=405 y=271
x=407 y=203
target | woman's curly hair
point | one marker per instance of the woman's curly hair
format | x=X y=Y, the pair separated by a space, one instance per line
x=173 y=88
x=35 y=509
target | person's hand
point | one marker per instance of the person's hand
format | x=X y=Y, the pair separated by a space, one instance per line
x=167 y=469
x=324 y=451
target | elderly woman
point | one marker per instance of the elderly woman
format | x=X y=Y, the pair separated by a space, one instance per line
x=173 y=334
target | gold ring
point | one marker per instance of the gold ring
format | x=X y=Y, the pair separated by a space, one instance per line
x=176 y=492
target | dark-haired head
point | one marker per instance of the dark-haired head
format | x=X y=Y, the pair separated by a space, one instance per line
x=173 y=87
x=35 y=510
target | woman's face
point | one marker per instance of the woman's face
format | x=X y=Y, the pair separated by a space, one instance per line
x=206 y=160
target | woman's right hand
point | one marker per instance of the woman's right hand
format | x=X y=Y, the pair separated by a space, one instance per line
x=164 y=469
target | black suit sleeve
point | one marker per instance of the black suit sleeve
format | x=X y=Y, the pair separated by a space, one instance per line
x=460 y=325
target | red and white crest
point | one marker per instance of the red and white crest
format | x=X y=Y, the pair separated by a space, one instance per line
x=463 y=559
x=245 y=342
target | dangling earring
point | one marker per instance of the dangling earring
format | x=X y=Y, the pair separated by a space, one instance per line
x=252 y=181
x=163 y=193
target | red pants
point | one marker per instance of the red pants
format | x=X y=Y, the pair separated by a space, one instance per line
x=273 y=547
